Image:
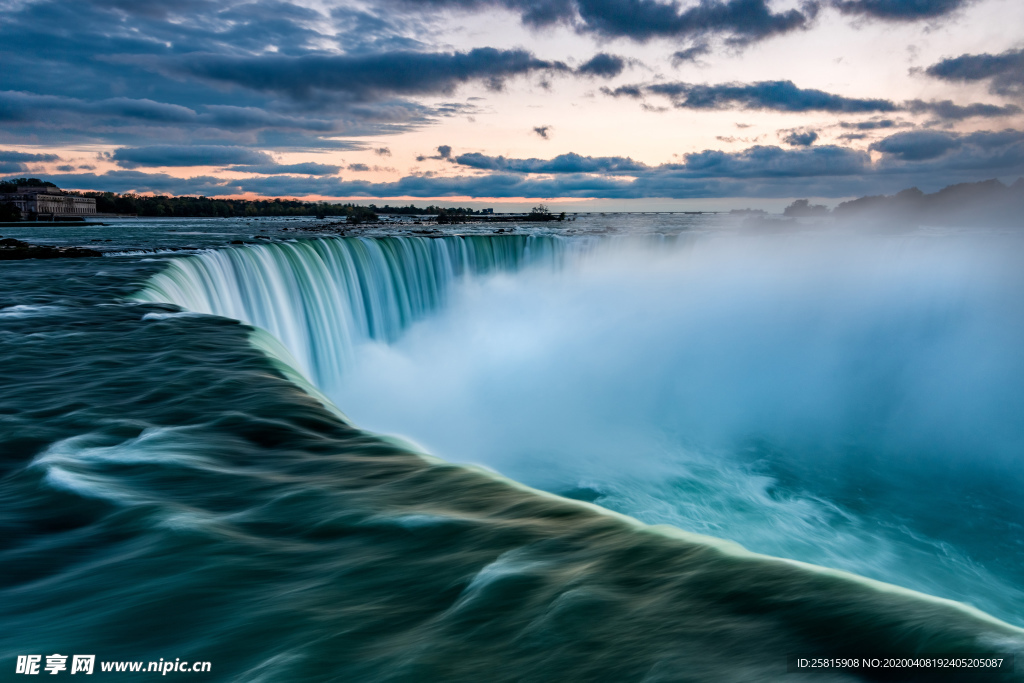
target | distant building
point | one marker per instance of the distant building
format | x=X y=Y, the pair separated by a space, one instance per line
x=37 y=201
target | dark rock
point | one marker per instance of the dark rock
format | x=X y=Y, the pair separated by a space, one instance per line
x=16 y=250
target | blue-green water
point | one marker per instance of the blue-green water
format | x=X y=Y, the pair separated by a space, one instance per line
x=177 y=484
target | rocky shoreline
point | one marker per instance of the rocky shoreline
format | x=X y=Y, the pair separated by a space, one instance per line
x=17 y=250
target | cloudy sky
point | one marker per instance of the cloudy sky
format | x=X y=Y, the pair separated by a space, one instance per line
x=627 y=102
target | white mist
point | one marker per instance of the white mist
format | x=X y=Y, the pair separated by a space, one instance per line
x=812 y=396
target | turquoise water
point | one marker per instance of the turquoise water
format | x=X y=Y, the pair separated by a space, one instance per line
x=177 y=484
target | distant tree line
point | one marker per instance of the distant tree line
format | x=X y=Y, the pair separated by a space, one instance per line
x=989 y=202
x=10 y=186
x=427 y=211
x=987 y=196
x=206 y=207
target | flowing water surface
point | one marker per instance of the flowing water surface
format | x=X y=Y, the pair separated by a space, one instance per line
x=177 y=484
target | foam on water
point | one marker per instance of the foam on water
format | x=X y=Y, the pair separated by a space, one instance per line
x=26 y=310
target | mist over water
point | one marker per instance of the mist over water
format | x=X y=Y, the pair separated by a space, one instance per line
x=847 y=399
x=850 y=401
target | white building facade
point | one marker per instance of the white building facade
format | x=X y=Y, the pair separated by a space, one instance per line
x=40 y=202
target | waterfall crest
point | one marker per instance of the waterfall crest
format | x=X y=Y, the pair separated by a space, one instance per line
x=320 y=297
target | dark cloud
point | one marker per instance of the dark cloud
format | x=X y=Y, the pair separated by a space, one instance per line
x=786 y=96
x=773 y=95
x=359 y=168
x=990 y=151
x=444 y=153
x=870 y=125
x=159 y=183
x=564 y=163
x=800 y=138
x=247 y=118
x=1004 y=71
x=188 y=155
x=363 y=77
x=946 y=109
x=308 y=168
x=634 y=91
x=602 y=65
x=382 y=151
x=763 y=161
x=542 y=131
x=126 y=121
x=69 y=86
x=30 y=107
x=286 y=141
x=11 y=156
x=917 y=145
x=742 y=21
x=899 y=10
x=690 y=54
x=108 y=51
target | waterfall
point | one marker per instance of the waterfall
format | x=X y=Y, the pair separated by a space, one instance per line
x=321 y=297
x=850 y=401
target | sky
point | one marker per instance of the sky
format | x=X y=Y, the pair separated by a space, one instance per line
x=628 y=104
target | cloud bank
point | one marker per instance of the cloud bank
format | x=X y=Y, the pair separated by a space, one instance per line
x=928 y=159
